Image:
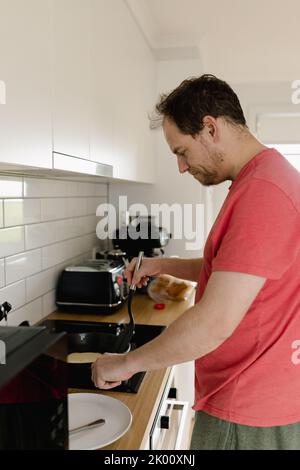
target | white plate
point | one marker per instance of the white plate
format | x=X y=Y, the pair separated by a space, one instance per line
x=85 y=408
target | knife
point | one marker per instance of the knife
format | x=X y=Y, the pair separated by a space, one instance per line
x=92 y=425
x=137 y=267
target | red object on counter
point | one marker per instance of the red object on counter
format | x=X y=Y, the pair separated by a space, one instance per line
x=159 y=306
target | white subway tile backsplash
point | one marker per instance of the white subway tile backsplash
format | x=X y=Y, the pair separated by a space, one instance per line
x=71 y=228
x=11 y=241
x=88 y=224
x=48 y=303
x=74 y=247
x=32 y=312
x=71 y=189
x=62 y=189
x=23 y=265
x=43 y=282
x=101 y=189
x=60 y=252
x=14 y=294
x=89 y=241
x=11 y=187
x=2 y=274
x=86 y=189
x=93 y=203
x=54 y=254
x=21 y=211
x=76 y=207
x=53 y=208
x=45 y=225
x=35 y=187
x=38 y=235
x=68 y=228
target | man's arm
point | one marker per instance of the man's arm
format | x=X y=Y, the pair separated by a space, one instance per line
x=183 y=268
x=200 y=330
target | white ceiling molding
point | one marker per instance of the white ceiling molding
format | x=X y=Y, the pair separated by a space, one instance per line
x=237 y=38
x=143 y=17
x=163 y=47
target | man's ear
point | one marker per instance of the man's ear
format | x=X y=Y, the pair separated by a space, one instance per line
x=211 y=130
x=211 y=124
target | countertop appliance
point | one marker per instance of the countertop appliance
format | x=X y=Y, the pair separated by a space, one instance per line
x=33 y=389
x=95 y=286
x=141 y=234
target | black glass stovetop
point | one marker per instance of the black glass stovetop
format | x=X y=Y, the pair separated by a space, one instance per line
x=79 y=374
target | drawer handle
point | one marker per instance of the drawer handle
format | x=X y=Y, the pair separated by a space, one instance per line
x=173 y=393
x=164 y=422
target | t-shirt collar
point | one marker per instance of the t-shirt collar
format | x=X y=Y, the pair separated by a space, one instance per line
x=248 y=165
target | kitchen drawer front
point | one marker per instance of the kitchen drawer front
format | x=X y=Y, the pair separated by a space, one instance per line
x=169 y=432
x=170 y=426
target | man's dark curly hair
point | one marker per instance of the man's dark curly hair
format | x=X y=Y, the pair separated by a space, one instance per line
x=196 y=98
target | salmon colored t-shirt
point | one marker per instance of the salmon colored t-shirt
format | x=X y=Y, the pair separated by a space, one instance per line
x=253 y=378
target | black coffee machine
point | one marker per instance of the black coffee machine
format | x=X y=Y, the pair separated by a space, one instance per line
x=141 y=234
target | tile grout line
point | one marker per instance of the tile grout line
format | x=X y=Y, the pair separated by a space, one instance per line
x=46 y=246
x=51 y=220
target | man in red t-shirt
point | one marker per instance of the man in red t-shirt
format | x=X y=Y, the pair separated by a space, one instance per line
x=244 y=330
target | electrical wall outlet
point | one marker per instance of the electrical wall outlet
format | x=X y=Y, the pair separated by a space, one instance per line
x=2 y=353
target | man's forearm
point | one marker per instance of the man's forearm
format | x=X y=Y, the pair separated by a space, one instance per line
x=199 y=331
x=202 y=328
x=191 y=336
x=183 y=268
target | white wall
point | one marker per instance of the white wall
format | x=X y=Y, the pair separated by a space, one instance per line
x=44 y=226
x=170 y=187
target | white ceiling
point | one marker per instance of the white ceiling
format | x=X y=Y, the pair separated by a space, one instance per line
x=242 y=40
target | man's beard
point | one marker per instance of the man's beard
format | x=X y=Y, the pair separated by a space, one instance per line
x=205 y=177
x=208 y=177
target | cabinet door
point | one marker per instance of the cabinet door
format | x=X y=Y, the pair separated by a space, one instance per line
x=71 y=75
x=102 y=82
x=123 y=87
x=134 y=85
x=25 y=119
x=183 y=383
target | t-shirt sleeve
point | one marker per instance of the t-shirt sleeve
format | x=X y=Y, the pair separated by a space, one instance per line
x=263 y=232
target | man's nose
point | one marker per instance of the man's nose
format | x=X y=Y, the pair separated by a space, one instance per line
x=182 y=165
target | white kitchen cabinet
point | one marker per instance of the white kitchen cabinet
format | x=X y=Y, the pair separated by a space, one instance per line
x=71 y=76
x=123 y=87
x=25 y=115
x=184 y=379
x=102 y=82
x=171 y=427
x=134 y=84
x=79 y=80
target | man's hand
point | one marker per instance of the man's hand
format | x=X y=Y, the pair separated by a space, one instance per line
x=188 y=269
x=109 y=370
x=149 y=267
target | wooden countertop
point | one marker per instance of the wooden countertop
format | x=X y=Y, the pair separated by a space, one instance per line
x=143 y=404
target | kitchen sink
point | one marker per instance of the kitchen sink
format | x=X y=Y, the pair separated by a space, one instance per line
x=80 y=374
